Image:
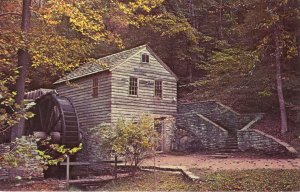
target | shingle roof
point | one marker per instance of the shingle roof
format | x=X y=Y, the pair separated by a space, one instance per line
x=101 y=64
x=32 y=95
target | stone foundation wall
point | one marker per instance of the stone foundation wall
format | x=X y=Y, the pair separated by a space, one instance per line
x=252 y=139
x=92 y=151
x=168 y=135
x=30 y=170
x=206 y=134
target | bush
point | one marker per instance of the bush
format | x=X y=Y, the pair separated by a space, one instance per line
x=132 y=140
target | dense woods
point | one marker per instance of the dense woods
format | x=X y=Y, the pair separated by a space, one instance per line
x=245 y=53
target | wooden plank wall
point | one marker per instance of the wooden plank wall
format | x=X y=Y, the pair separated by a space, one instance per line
x=91 y=111
x=129 y=106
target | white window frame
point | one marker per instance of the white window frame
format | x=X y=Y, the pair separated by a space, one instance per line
x=155 y=89
x=137 y=86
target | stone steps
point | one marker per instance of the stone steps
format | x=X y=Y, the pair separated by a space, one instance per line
x=231 y=145
x=212 y=119
x=215 y=125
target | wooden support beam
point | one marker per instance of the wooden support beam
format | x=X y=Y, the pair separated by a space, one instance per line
x=68 y=172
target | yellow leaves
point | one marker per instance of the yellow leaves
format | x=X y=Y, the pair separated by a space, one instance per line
x=145 y=5
x=65 y=31
x=290 y=45
x=265 y=93
x=57 y=52
x=82 y=17
x=138 y=11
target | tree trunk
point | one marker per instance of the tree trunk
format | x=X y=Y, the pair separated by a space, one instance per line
x=221 y=20
x=284 y=126
x=23 y=63
x=192 y=14
x=190 y=72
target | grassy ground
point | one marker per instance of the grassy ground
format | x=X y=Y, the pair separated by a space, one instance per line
x=248 y=180
x=145 y=181
x=253 y=180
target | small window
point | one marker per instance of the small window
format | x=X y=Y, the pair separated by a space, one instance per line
x=158 y=89
x=95 y=87
x=133 y=86
x=145 y=58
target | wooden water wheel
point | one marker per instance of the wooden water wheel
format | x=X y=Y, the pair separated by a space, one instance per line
x=55 y=116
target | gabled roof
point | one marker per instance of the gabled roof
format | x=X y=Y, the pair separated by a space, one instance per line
x=109 y=62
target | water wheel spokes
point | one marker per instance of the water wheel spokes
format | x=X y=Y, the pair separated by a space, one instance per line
x=56 y=116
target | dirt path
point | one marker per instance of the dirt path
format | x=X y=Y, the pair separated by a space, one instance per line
x=232 y=163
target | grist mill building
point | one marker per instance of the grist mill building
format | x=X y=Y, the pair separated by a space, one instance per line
x=126 y=84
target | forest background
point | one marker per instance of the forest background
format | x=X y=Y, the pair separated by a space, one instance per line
x=243 y=53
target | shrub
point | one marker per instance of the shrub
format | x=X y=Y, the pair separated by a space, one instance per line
x=132 y=140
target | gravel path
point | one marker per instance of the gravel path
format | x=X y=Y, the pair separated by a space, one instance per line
x=231 y=163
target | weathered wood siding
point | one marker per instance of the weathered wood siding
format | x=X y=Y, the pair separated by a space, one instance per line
x=91 y=111
x=129 y=106
x=114 y=100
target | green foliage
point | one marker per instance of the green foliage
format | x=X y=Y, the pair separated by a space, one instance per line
x=265 y=93
x=10 y=112
x=263 y=19
x=130 y=139
x=230 y=64
x=52 y=154
x=23 y=153
x=30 y=149
x=238 y=64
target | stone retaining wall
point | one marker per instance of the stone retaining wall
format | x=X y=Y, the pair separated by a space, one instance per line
x=207 y=135
x=252 y=139
x=211 y=122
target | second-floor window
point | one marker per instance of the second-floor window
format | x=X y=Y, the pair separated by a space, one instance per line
x=95 y=87
x=133 y=86
x=158 y=89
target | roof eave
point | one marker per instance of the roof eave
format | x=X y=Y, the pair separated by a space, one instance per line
x=71 y=79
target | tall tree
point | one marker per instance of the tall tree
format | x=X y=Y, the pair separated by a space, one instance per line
x=266 y=41
x=64 y=33
x=23 y=64
x=268 y=21
x=281 y=100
